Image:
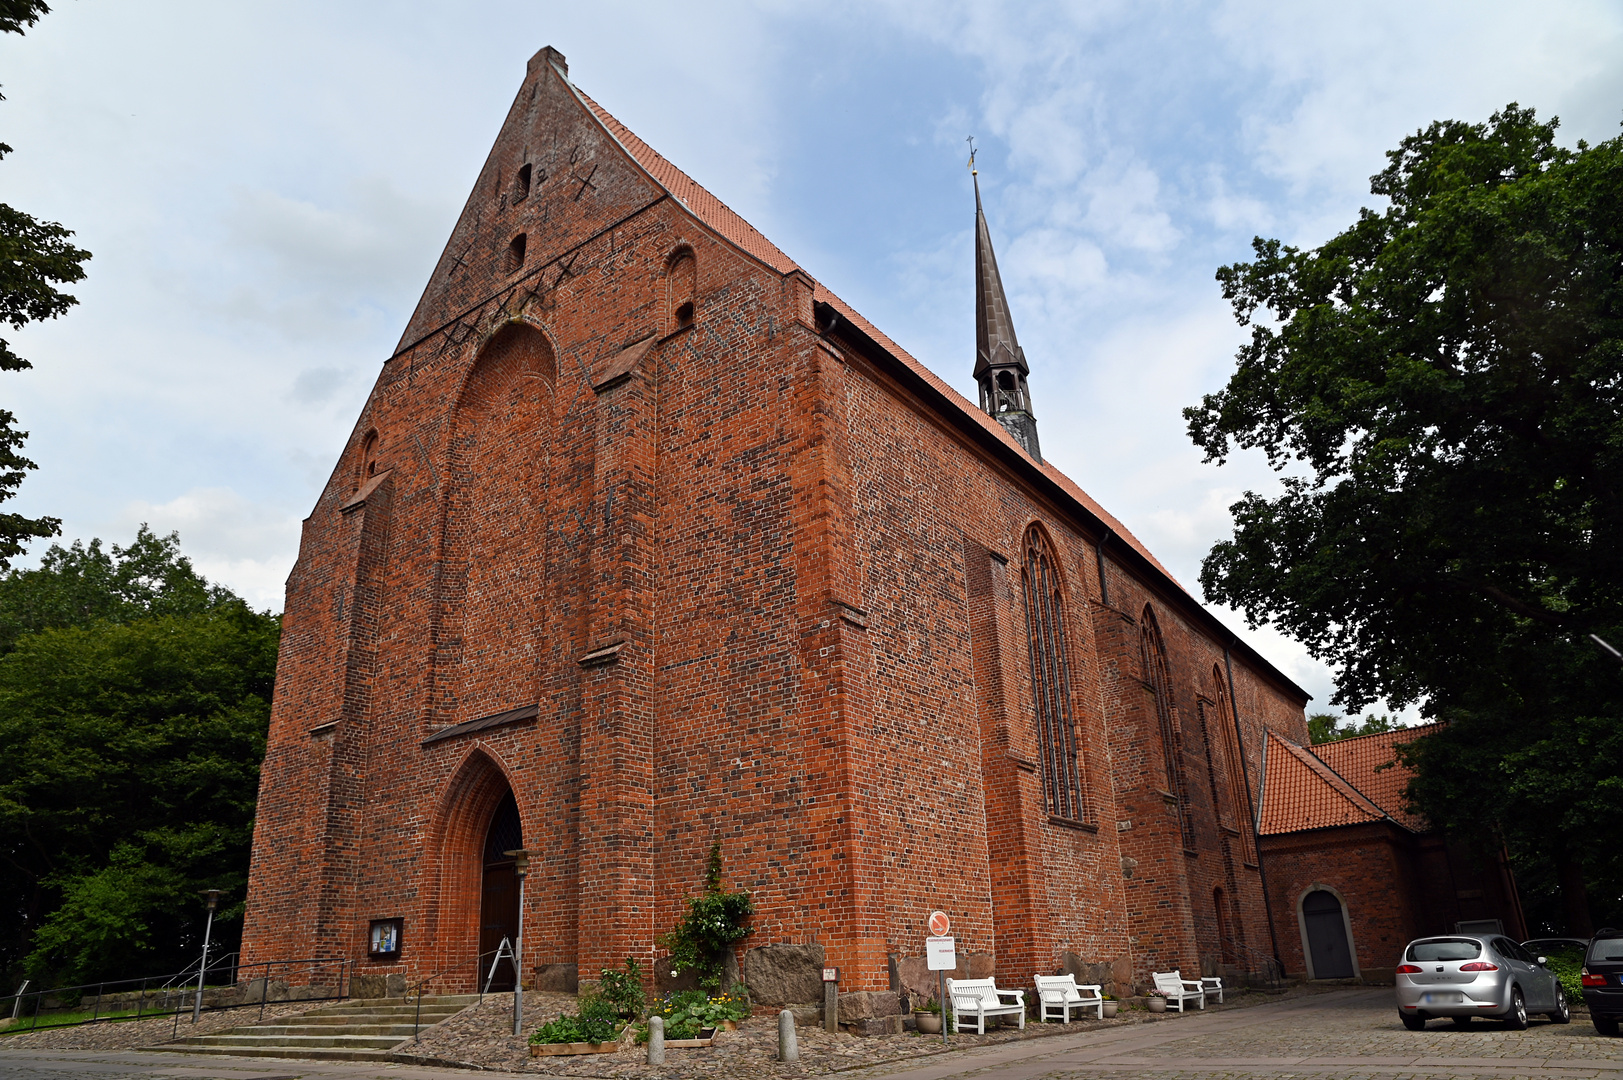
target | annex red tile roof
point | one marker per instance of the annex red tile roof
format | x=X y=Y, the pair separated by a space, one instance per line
x=1369 y=764
x=718 y=216
x=1300 y=792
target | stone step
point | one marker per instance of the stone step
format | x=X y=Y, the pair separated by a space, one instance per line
x=366 y=1030
x=400 y=1031
x=325 y=1042
x=389 y=1010
x=304 y=1053
x=329 y=1020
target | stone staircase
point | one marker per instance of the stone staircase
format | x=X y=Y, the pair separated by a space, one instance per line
x=365 y=1030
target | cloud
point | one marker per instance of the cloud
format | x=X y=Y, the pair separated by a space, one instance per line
x=265 y=216
x=247 y=546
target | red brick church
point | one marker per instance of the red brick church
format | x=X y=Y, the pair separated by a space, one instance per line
x=645 y=540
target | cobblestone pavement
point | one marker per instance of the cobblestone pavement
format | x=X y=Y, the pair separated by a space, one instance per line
x=1343 y=1034
x=1348 y=1035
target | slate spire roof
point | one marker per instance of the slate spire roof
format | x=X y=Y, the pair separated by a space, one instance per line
x=1000 y=362
x=995 y=343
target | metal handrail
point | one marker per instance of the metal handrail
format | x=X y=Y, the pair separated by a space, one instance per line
x=174 y=997
x=478 y=965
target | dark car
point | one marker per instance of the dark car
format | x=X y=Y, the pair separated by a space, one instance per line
x=1553 y=946
x=1603 y=980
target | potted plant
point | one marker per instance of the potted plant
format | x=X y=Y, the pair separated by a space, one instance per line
x=1111 y=1005
x=1156 y=1001
x=928 y=1017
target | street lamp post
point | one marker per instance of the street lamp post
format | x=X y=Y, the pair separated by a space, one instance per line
x=213 y=896
x=521 y=865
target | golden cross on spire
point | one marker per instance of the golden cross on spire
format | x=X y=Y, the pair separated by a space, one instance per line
x=971 y=142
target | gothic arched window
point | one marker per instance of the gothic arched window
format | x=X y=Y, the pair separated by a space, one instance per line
x=1160 y=681
x=1051 y=680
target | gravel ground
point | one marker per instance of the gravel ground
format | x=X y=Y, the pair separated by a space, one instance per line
x=481 y=1037
x=132 y=1034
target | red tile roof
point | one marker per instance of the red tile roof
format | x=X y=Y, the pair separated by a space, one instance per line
x=1369 y=764
x=1300 y=792
x=719 y=217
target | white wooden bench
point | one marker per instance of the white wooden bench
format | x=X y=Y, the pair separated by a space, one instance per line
x=1059 y=994
x=1178 y=990
x=980 y=998
x=1211 y=984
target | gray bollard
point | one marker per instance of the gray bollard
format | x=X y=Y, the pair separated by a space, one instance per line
x=656 y=1040
x=788 y=1047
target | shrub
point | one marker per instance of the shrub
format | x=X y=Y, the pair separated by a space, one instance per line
x=703 y=939
x=1567 y=965
x=597 y=1021
x=623 y=989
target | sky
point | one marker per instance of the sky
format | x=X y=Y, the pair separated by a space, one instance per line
x=266 y=187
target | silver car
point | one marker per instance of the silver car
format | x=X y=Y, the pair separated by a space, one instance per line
x=1465 y=975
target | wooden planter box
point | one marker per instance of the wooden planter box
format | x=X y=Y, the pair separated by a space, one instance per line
x=696 y=1042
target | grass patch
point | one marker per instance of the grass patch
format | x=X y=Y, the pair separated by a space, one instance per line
x=70 y=1019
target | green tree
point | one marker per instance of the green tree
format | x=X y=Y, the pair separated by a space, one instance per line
x=35 y=257
x=81 y=584
x=131 y=734
x=1444 y=382
x=1326 y=727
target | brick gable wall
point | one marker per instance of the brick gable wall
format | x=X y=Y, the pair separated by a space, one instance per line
x=761 y=592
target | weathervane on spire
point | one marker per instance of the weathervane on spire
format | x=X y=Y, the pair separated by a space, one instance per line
x=971 y=142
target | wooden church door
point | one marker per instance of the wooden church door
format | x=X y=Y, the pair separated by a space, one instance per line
x=1327 y=936
x=498 y=906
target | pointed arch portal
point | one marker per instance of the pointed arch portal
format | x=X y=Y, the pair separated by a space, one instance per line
x=498 y=897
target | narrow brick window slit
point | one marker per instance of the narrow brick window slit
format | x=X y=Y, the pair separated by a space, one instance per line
x=521 y=186
x=515 y=252
x=681 y=279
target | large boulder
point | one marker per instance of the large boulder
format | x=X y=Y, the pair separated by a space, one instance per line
x=784 y=974
x=368 y=986
x=562 y=978
x=919 y=982
x=1115 y=976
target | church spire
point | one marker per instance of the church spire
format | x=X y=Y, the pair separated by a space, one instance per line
x=1000 y=362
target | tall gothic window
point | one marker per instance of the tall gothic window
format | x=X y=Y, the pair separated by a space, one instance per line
x=1051 y=680
x=1228 y=722
x=1160 y=681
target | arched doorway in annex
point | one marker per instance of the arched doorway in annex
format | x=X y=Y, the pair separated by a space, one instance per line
x=468 y=880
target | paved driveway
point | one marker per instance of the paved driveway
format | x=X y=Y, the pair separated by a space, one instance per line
x=1348 y=1035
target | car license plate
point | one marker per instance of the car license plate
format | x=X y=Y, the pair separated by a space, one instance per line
x=1440 y=999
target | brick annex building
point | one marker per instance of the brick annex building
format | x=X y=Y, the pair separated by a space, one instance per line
x=644 y=539
x=1354 y=874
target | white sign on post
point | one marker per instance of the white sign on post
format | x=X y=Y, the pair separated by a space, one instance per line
x=940 y=953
